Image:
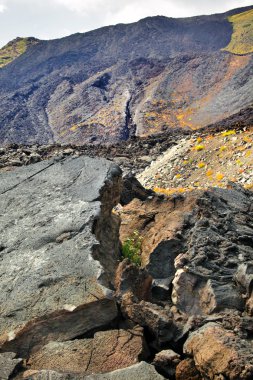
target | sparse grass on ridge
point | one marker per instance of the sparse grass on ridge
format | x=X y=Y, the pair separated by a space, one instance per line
x=242 y=37
x=14 y=49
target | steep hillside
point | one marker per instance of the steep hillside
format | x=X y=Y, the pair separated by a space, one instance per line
x=117 y=81
x=242 y=38
x=14 y=49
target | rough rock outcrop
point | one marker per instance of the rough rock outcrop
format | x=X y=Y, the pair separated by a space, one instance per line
x=73 y=311
x=220 y=354
x=107 y=351
x=59 y=250
x=199 y=246
x=186 y=370
x=133 y=290
x=140 y=371
x=132 y=188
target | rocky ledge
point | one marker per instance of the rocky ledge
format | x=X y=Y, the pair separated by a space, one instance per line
x=71 y=308
x=193 y=293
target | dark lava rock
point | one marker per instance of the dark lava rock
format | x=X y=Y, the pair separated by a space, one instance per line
x=59 y=250
x=133 y=189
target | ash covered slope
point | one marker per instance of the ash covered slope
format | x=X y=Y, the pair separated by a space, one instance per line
x=103 y=85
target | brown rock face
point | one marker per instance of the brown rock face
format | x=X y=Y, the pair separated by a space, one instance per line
x=198 y=246
x=158 y=222
x=219 y=352
x=132 y=282
x=140 y=371
x=250 y=305
x=186 y=370
x=133 y=289
x=107 y=351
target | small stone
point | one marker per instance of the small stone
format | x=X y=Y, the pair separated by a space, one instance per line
x=167 y=361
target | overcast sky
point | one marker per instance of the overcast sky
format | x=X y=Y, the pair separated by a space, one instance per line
x=46 y=19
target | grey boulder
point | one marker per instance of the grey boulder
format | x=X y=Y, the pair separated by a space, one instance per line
x=58 y=251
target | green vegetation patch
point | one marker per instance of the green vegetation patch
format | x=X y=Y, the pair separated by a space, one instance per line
x=242 y=37
x=14 y=49
x=131 y=248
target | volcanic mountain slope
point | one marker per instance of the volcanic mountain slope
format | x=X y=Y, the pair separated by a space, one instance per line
x=121 y=80
x=14 y=49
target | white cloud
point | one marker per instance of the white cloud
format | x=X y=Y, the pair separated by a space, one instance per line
x=87 y=6
x=2 y=8
x=56 y=18
x=130 y=9
x=135 y=10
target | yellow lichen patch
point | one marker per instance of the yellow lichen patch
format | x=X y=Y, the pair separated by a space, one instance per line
x=247 y=139
x=228 y=133
x=209 y=173
x=219 y=176
x=242 y=37
x=172 y=191
x=199 y=147
x=73 y=128
x=241 y=148
x=239 y=162
x=249 y=186
x=201 y=165
x=62 y=133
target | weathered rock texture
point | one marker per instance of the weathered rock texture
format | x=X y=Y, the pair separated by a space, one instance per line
x=140 y=371
x=186 y=370
x=220 y=354
x=198 y=248
x=132 y=188
x=59 y=250
x=8 y=364
x=167 y=361
x=107 y=351
x=72 y=311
